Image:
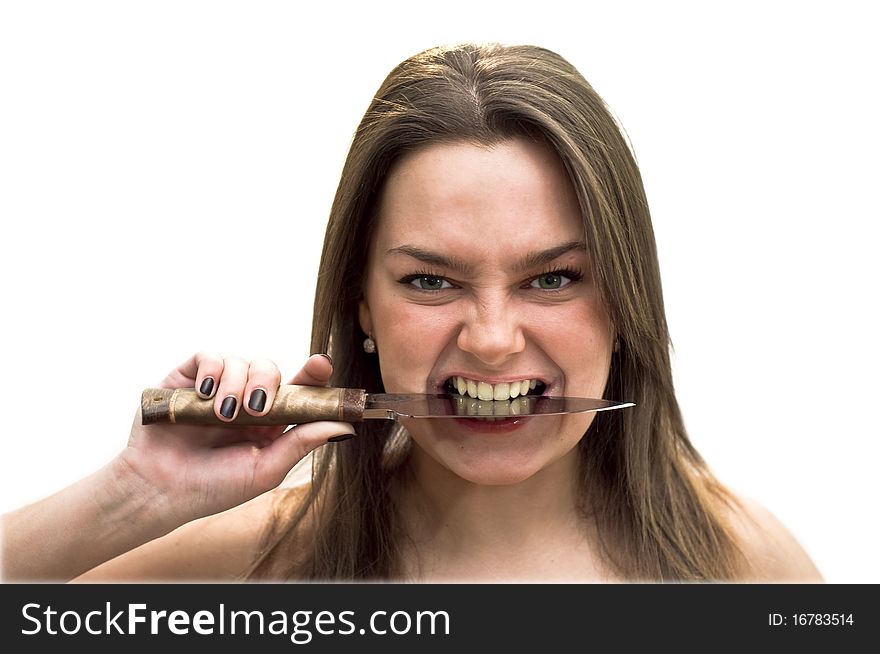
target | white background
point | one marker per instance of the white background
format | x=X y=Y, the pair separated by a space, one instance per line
x=166 y=170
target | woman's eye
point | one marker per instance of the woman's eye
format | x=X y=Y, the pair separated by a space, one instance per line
x=430 y=283
x=550 y=281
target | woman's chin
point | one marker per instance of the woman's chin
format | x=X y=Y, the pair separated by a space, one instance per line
x=494 y=478
x=508 y=457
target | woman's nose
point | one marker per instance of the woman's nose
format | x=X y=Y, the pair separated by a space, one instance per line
x=492 y=332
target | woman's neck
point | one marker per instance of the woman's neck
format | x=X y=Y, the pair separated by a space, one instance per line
x=459 y=529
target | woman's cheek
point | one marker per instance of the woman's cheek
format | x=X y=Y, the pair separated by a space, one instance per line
x=413 y=339
x=578 y=339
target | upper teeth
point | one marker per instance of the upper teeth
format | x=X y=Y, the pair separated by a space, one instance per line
x=500 y=391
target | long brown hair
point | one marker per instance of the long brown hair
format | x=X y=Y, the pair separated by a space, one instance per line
x=658 y=509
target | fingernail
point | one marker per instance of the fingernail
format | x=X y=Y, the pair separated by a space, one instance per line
x=227 y=409
x=327 y=356
x=258 y=400
x=340 y=438
x=207 y=386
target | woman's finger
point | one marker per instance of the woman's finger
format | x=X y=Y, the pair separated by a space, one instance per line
x=315 y=372
x=277 y=459
x=201 y=370
x=262 y=383
x=230 y=388
x=209 y=370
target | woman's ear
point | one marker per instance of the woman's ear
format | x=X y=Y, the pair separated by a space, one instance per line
x=365 y=318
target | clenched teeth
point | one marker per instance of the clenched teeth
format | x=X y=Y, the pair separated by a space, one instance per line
x=484 y=391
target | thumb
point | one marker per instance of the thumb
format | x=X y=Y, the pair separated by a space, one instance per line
x=277 y=459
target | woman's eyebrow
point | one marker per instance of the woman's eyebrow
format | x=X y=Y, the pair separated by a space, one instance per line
x=528 y=262
x=543 y=257
x=433 y=258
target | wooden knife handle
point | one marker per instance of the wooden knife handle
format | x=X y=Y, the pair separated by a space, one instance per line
x=292 y=405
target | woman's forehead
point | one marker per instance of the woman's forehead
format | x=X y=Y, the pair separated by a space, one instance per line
x=515 y=194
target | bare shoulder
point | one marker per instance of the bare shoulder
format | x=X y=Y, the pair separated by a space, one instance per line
x=773 y=552
x=220 y=547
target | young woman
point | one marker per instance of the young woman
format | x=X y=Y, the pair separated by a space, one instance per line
x=490 y=237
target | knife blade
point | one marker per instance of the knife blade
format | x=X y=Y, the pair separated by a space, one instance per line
x=295 y=404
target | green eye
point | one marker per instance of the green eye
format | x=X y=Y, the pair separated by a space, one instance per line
x=550 y=281
x=430 y=283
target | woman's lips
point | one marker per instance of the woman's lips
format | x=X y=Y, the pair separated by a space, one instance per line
x=491 y=416
x=492 y=426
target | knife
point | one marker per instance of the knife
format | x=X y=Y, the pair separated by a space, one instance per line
x=297 y=404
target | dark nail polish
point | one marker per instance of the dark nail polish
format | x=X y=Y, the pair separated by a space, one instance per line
x=207 y=386
x=227 y=409
x=340 y=438
x=327 y=356
x=258 y=400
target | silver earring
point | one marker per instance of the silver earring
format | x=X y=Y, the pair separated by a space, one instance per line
x=617 y=345
x=369 y=345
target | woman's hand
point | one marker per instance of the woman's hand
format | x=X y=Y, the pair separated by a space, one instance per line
x=199 y=470
x=167 y=475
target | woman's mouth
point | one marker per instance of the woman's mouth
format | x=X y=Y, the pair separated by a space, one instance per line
x=501 y=404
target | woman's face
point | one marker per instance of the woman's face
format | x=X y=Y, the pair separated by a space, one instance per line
x=478 y=273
